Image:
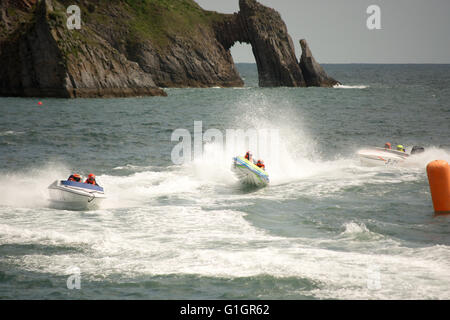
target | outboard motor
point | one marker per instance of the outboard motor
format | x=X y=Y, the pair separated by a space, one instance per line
x=417 y=149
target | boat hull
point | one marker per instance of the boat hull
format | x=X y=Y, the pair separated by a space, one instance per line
x=69 y=195
x=249 y=174
x=381 y=157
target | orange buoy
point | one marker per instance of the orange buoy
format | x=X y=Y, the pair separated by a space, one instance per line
x=439 y=179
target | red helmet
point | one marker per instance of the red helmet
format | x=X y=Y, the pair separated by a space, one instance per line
x=91 y=176
x=76 y=175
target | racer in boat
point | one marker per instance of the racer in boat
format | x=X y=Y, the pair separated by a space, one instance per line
x=387 y=145
x=401 y=148
x=249 y=157
x=260 y=164
x=91 y=179
x=75 y=177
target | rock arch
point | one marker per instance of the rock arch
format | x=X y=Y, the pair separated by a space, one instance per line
x=264 y=29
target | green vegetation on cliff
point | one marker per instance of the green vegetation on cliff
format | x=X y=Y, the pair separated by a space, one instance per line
x=127 y=21
x=156 y=20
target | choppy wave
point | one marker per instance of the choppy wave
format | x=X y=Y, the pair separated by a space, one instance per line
x=10 y=133
x=172 y=221
x=349 y=231
x=172 y=240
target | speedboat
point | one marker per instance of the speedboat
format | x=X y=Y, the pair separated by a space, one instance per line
x=248 y=173
x=381 y=156
x=72 y=195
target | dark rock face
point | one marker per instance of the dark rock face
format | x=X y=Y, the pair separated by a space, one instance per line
x=120 y=52
x=196 y=62
x=30 y=62
x=274 y=52
x=37 y=63
x=313 y=73
x=192 y=57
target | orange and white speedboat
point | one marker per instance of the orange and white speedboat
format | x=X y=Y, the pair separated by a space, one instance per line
x=382 y=156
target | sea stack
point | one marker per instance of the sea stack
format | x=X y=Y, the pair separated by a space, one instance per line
x=313 y=72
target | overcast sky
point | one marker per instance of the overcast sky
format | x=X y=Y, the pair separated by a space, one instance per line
x=412 y=31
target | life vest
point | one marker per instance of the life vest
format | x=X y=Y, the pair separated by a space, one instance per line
x=247 y=156
x=261 y=165
x=73 y=178
x=90 y=181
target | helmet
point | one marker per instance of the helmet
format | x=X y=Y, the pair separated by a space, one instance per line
x=400 y=147
x=387 y=145
x=76 y=175
x=91 y=176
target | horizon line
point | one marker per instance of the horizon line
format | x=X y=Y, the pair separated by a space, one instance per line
x=393 y=63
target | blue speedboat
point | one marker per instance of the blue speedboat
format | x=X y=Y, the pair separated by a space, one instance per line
x=72 y=195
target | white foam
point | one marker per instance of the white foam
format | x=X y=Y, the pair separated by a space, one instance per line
x=341 y=86
x=136 y=234
x=431 y=153
x=355 y=228
x=134 y=168
x=10 y=133
x=292 y=159
x=222 y=243
x=144 y=187
x=28 y=189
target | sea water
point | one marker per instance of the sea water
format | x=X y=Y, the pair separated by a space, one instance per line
x=325 y=228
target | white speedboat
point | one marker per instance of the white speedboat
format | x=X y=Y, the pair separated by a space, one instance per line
x=248 y=173
x=71 y=195
x=382 y=156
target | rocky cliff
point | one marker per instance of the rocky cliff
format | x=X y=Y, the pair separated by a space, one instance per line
x=134 y=47
x=41 y=57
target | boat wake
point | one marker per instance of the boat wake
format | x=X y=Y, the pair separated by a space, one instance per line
x=28 y=189
x=210 y=176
